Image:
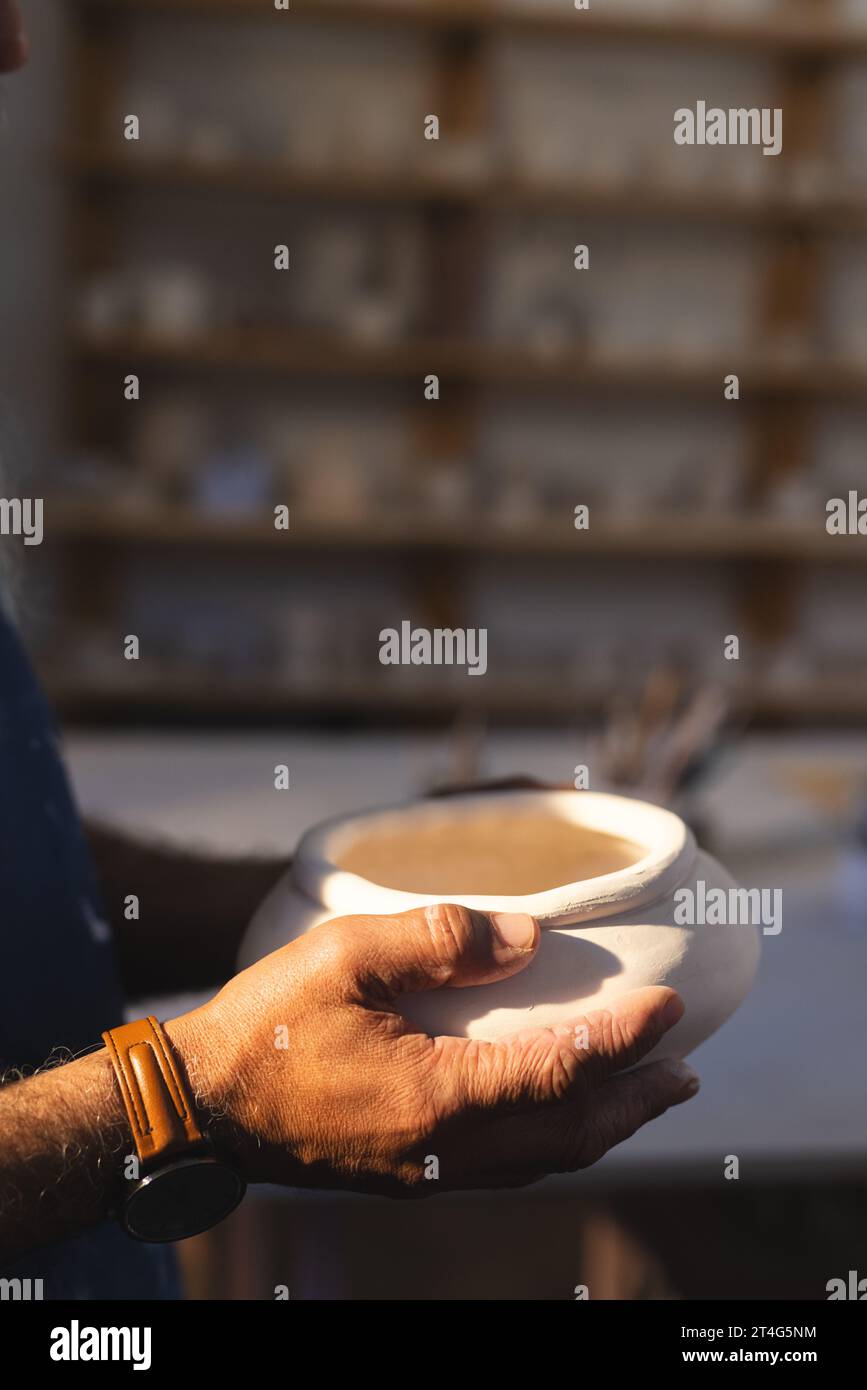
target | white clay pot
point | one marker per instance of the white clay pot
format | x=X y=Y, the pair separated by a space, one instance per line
x=600 y=937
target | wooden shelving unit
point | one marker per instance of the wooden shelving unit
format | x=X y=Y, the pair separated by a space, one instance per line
x=781 y=388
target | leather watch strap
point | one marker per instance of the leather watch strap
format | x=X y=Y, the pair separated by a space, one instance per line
x=156 y=1098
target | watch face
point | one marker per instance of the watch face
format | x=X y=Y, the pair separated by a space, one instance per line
x=182 y=1199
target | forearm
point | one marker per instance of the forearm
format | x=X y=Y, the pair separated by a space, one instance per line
x=192 y=910
x=63 y=1135
x=65 y=1140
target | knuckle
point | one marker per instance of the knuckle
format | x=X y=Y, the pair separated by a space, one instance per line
x=451 y=930
x=479 y=1077
x=544 y=1072
x=564 y=1070
x=553 y=1068
x=610 y=1038
x=470 y=1082
x=334 y=947
x=608 y=1031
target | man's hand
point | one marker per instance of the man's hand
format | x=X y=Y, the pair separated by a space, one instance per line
x=306 y=1072
x=305 y=1069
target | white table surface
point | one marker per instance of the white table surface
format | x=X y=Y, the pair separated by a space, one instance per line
x=785 y=1079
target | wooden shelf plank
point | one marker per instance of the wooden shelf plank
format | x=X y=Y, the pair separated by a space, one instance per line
x=285 y=354
x=247 y=178
x=688 y=537
x=799 y=32
x=842 y=700
x=363 y=699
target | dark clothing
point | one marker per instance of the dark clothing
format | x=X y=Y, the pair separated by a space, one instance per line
x=59 y=986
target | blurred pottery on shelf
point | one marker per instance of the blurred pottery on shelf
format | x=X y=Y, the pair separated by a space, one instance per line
x=170 y=441
x=159 y=124
x=104 y=305
x=174 y=303
x=371 y=136
x=234 y=480
x=332 y=486
x=447 y=489
x=374 y=317
x=601 y=936
x=518 y=503
x=796 y=497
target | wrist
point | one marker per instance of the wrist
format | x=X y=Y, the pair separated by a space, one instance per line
x=184 y=1184
x=204 y=1057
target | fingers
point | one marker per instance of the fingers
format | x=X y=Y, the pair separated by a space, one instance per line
x=612 y=1039
x=540 y=1066
x=625 y=1103
x=430 y=947
x=517 y=1149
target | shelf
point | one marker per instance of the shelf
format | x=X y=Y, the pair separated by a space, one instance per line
x=799 y=33
x=686 y=537
x=284 y=353
x=273 y=181
x=378 y=700
x=777 y=391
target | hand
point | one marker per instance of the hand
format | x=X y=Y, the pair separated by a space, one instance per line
x=307 y=1072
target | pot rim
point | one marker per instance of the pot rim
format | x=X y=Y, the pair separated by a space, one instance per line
x=669 y=846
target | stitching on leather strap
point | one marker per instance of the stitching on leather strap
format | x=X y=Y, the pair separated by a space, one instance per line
x=172 y=1079
x=130 y=1093
x=143 y=1042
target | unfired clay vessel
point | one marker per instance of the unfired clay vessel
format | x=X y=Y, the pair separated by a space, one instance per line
x=600 y=937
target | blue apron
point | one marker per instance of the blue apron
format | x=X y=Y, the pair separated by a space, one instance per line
x=59 y=985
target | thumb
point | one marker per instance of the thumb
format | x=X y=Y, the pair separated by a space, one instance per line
x=429 y=947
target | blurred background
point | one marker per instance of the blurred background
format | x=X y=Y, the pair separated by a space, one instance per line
x=155 y=258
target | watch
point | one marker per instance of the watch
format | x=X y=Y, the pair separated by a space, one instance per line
x=184 y=1186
